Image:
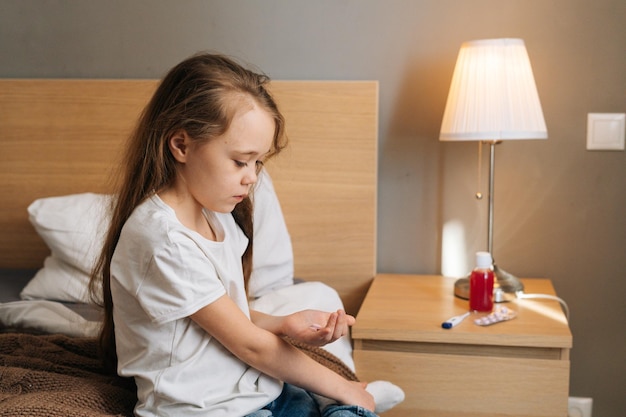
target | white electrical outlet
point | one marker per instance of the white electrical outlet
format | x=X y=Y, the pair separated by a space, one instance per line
x=579 y=407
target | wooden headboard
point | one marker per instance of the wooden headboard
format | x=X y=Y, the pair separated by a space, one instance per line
x=62 y=137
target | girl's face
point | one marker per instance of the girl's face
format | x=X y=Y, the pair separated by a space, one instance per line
x=219 y=173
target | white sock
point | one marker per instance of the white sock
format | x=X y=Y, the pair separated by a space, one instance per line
x=386 y=395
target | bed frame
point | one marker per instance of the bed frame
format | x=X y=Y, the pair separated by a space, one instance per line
x=62 y=137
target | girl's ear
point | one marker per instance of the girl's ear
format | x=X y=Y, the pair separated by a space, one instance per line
x=179 y=145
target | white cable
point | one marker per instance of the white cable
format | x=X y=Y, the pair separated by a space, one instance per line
x=522 y=295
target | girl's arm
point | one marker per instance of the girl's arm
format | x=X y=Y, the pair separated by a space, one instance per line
x=313 y=327
x=273 y=356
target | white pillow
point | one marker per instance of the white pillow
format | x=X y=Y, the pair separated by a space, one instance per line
x=73 y=226
x=58 y=281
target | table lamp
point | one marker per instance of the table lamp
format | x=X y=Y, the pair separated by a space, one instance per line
x=492 y=98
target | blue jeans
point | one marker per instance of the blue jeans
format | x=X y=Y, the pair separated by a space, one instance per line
x=294 y=401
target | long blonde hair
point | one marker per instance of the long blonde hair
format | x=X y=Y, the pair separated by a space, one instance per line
x=196 y=96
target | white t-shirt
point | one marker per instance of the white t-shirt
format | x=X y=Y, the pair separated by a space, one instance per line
x=161 y=273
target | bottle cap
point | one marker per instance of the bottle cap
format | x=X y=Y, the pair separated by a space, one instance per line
x=483 y=260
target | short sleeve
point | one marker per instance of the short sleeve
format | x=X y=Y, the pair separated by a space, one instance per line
x=180 y=280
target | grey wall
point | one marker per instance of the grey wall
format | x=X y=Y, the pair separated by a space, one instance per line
x=559 y=209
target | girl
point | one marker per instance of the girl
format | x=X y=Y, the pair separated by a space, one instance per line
x=177 y=257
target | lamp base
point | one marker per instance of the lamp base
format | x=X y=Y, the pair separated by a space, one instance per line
x=508 y=282
x=505 y=288
x=461 y=288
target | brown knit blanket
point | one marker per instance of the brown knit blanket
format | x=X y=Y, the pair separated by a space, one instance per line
x=57 y=375
x=326 y=358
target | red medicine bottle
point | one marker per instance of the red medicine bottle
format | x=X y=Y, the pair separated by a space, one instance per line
x=481 y=284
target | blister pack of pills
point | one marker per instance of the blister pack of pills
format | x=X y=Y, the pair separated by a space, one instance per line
x=498 y=315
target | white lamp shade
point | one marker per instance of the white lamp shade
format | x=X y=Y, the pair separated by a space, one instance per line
x=493 y=95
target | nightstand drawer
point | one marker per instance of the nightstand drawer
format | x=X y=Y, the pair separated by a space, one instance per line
x=453 y=385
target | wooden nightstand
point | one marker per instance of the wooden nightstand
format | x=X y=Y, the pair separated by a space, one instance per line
x=514 y=368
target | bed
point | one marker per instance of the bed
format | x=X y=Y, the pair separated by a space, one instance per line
x=60 y=139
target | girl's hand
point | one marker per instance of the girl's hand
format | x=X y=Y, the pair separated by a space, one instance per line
x=315 y=327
